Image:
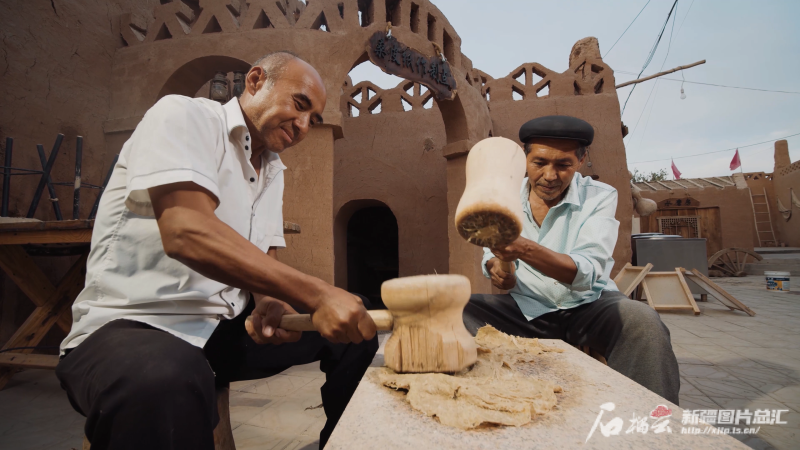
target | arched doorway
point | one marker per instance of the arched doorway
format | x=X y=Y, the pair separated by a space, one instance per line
x=188 y=59
x=188 y=78
x=372 y=251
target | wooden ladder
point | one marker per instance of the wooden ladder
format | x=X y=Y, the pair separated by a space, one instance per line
x=759 y=218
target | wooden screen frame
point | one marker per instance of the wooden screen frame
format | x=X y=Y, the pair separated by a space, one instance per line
x=654 y=297
x=717 y=292
x=642 y=272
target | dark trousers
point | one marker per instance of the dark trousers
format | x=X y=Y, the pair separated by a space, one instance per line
x=143 y=388
x=628 y=333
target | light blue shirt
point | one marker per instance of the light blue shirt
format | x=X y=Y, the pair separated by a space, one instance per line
x=582 y=226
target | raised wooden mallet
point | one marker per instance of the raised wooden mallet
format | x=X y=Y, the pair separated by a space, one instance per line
x=425 y=317
x=490 y=213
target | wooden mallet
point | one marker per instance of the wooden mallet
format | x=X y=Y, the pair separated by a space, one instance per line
x=425 y=317
x=490 y=213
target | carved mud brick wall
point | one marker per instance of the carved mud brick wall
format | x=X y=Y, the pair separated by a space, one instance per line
x=786 y=179
x=56 y=66
x=94 y=68
x=391 y=155
x=190 y=42
x=736 y=216
x=585 y=90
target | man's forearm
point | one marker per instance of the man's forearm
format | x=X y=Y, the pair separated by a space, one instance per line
x=215 y=250
x=553 y=264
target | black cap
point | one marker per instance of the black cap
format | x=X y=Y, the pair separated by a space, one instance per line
x=557 y=127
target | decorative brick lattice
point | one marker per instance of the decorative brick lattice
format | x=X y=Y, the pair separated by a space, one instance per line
x=367 y=98
x=757 y=176
x=674 y=225
x=789 y=169
x=176 y=19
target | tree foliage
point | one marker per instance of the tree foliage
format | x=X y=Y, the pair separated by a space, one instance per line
x=639 y=177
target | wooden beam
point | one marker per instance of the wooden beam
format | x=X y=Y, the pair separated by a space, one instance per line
x=38 y=324
x=649 y=185
x=28 y=361
x=679 y=184
x=674 y=308
x=660 y=74
x=30 y=279
x=687 y=291
x=662 y=183
x=717 y=292
x=38 y=225
x=633 y=283
x=713 y=182
x=74 y=236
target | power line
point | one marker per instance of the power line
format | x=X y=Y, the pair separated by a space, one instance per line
x=626 y=29
x=718 y=85
x=652 y=107
x=643 y=109
x=652 y=53
x=671 y=35
x=684 y=17
x=716 y=151
x=649 y=115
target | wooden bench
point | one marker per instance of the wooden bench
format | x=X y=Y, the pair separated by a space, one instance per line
x=53 y=302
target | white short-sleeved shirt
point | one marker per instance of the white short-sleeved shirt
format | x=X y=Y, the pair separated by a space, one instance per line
x=128 y=274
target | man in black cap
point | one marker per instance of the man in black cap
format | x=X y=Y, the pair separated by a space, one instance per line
x=561 y=287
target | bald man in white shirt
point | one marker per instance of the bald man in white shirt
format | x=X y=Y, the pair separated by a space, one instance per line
x=185 y=237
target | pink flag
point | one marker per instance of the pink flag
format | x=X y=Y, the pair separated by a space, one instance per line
x=675 y=171
x=736 y=162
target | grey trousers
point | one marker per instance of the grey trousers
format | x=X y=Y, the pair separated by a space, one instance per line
x=628 y=333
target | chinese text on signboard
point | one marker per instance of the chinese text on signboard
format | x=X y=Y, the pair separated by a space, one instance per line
x=397 y=59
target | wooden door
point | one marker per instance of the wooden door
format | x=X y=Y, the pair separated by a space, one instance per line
x=709 y=225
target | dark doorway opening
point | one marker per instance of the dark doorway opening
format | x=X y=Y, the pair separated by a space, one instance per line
x=372 y=252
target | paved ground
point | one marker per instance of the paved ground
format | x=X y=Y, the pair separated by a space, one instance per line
x=728 y=361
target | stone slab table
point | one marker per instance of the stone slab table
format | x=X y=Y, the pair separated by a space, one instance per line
x=380 y=418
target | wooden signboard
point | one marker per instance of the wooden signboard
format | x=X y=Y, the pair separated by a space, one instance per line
x=396 y=58
x=629 y=278
x=717 y=292
x=667 y=291
x=678 y=203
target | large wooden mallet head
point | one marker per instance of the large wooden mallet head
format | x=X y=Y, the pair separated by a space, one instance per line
x=429 y=333
x=490 y=213
x=425 y=317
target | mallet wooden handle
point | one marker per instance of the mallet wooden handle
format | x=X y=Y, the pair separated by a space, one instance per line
x=302 y=322
x=507 y=266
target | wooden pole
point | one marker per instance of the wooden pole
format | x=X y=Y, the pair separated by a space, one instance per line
x=7 y=176
x=659 y=74
x=45 y=176
x=50 y=188
x=76 y=195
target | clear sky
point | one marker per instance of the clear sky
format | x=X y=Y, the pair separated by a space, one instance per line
x=753 y=44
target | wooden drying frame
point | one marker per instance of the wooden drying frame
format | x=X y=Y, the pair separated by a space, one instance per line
x=678 y=290
x=640 y=273
x=716 y=291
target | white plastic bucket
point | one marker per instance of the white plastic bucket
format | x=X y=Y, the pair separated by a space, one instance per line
x=777 y=281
